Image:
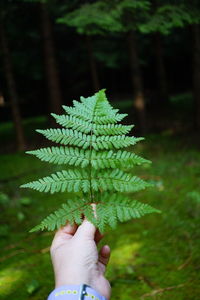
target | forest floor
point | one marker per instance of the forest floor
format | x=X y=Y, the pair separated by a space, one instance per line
x=155 y=257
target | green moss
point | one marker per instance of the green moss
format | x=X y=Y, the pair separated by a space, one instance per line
x=155 y=252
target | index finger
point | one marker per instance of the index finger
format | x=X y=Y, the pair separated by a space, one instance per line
x=64 y=233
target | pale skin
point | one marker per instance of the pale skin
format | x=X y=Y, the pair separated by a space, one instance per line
x=76 y=259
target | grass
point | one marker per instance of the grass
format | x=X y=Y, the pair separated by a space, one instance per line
x=155 y=257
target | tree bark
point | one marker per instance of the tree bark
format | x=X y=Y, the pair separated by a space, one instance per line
x=160 y=68
x=92 y=64
x=12 y=92
x=196 y=73
x=51 y=70
x=139 y=100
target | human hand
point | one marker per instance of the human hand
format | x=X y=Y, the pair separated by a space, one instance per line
x=76 y=260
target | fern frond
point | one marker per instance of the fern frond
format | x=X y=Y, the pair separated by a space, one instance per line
x=86 y=127
x=112 y=129
x=79 y=180
x=79 y=113
x=70 y=180
x=73 y=123
x=75 y=138
x=94 y=110
x=71 y=211
x=111 y=208
x=109 y=119
x=119 y=207
x=94 y=145
x=79 y=157
x=63 y=155
x=116 y=142
x=117 y=180
x=112 y=159
x=67 y=137
x=82 y=114
x=98 y=104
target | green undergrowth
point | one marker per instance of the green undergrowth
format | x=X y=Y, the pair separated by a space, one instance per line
x=156 y=257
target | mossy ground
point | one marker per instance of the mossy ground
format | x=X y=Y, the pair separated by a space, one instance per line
x=155 y=257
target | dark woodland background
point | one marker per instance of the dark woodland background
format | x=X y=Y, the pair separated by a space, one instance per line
x=143 y=52
x=146 y=54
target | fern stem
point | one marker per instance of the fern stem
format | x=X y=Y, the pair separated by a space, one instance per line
x=90 y=157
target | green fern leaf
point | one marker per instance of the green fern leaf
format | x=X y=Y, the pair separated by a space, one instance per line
x=86 y=127
x=63 y=155
x=67 y=137
x=119 y=207
x=70 y=211
x=79 y=181
x=76 y=138
x=112 y=129
x=79 y=157
x=111 y=159
x=82 y=114
x=117 y=180
x=70 y=180
x=93 y=146
x=73 y=123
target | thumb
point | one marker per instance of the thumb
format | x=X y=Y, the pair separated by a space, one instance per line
x=86 y=230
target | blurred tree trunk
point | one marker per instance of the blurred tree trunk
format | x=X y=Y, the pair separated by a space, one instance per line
x=2 y=100
x=13 y=97
x=196 y=73
x=92 y=64
x=139 y=101
x=52 y=77
x=160 y=68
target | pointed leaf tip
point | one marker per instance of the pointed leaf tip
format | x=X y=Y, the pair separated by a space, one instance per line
x=22 y=186
x=30 y=152
x=101 y=91
x=34 y=229
x=39 y=130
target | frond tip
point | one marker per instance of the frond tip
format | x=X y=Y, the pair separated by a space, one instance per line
x=96 y=165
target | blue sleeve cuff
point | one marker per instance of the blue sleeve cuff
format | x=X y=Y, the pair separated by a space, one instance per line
x=75 y=292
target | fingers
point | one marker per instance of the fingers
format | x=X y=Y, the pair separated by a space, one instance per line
x=64 y=233
x=104 y=256
x=68 y=229
x=98 y=236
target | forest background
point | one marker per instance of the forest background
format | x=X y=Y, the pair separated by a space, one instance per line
x=147 y=56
